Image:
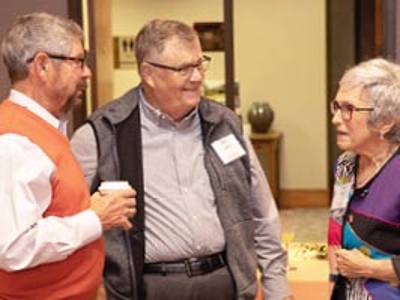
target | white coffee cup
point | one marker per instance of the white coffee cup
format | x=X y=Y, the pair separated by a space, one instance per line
x=107 y=187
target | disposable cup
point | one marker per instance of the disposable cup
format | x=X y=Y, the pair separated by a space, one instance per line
x=107 y=187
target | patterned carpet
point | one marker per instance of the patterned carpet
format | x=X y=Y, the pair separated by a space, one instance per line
x=308 y=266
x=308 y=275
x=309 y=225
x=304 y=232
x=307 y=251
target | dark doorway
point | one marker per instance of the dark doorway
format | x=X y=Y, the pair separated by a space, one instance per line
x=357 y=30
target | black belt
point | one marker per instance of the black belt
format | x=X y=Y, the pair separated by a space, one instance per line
x=191 y=266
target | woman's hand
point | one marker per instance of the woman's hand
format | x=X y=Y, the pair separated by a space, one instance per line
x=355 y=264
x=352 y=263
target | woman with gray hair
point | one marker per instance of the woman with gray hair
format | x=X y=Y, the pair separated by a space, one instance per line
x=364 y=225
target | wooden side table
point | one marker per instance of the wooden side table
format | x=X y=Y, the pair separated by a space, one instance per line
x=267 y=148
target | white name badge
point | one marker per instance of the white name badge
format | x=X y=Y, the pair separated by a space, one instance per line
x=228 y=149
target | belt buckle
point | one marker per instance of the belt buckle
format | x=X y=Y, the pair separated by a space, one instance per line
x=188 y=268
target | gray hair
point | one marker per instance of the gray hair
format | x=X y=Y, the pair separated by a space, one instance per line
x=33 y=33
x=152 y=38
x=379 y=80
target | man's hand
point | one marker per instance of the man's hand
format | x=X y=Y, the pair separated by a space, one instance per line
x=114 y=209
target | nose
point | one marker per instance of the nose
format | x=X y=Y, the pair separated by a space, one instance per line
x=336 y=117
x=197 y=75
x=86 y=72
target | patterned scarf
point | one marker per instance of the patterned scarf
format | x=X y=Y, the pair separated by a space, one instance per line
x=345 y=176
x=343 y=187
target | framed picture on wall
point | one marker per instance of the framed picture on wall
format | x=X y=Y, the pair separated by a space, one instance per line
x=211 y=35
x=124 y=55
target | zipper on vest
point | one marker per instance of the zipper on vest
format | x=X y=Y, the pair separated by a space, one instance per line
x=132 y=272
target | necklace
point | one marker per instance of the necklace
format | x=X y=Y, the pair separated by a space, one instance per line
x=366 y=173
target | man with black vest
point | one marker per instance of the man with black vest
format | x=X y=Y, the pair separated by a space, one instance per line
x=206 y=219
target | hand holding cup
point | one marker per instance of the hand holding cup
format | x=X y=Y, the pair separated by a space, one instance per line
x=114 y=204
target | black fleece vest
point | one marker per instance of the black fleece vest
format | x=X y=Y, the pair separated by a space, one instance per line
x=130 y=169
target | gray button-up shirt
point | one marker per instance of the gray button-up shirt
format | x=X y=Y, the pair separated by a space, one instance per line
x=181 y=219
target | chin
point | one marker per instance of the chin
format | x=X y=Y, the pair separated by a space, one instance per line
x=191 y=95
x=193 y=101
x=343 y=146
x=71 y=103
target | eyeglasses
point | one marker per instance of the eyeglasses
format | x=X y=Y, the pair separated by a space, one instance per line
x=186 y=70
x=81 y=61
x=347 y=109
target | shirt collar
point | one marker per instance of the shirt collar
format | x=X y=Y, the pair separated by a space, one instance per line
x=31 y=105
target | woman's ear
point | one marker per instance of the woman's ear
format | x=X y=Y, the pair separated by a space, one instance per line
x=385 y=128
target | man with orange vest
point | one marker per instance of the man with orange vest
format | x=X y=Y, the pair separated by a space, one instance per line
x=51 y=229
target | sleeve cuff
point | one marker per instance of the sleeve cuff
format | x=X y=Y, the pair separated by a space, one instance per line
x=90 y=226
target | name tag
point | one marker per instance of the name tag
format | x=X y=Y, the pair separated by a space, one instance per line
x=228 y=149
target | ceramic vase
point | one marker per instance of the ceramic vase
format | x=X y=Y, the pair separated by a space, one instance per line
x=260 y=117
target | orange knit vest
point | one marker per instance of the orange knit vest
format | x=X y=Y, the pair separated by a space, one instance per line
x=78 y=276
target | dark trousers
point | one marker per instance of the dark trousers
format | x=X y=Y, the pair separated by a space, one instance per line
x=217 y=285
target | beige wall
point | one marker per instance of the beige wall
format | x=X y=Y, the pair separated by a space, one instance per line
x=10 y=10
x=279 y=58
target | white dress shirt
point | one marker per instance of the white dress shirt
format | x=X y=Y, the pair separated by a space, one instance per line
x=27 y=239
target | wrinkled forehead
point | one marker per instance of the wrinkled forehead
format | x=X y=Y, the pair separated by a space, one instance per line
x=352 y=94
x=179 y=48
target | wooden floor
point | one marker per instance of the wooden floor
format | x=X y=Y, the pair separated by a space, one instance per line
x=309 y=280
x=309 y=290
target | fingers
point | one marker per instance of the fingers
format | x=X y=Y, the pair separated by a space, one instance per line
x=127 y=207
x=341 y=255
x=127 y=193
x=120 y=222
x=128 y=212
x=115 y=209
x=350 y=263
x=125 y=224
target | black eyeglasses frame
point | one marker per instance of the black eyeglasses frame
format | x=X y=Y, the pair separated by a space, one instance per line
x=80 y=60
x=182 y=70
